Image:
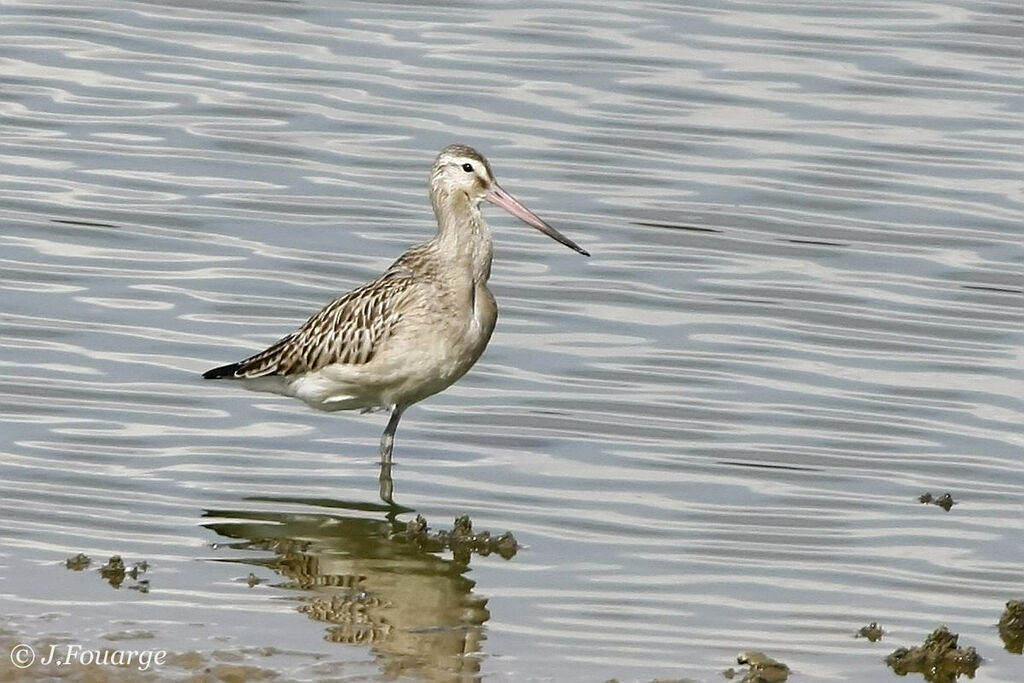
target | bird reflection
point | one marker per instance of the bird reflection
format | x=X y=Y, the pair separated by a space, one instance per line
x=369 y=584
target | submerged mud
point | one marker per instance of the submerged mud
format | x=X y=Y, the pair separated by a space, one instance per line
x=945 y=501
x=873 y=632
x=939 y=658
x=762 y=669
x=460 y=540
x=114 y=571
x=1011 y=626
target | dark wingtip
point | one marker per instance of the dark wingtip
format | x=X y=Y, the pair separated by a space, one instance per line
x=221 y=372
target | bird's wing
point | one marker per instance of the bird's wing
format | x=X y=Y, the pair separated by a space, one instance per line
x=349 y=330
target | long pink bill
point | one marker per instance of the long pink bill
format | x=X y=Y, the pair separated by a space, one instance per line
x=499 y=197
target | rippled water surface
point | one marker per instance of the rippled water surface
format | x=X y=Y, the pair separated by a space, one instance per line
x=802 y=312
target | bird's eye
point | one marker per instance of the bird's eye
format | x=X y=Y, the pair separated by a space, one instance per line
x=468 y=168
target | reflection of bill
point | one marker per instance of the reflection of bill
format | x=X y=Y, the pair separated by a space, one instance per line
x=416 y=611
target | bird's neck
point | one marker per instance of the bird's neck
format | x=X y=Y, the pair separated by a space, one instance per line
x=463 y=235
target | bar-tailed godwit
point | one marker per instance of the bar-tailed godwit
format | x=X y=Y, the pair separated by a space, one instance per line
x=414 y=330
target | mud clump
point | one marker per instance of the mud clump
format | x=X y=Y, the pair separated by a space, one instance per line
x=873 y=632
x=78 y=562
x=945 y=501
x=1011 y=626
x=939 y=658
x=460 y=540
x=763 y=669
x=115 y=571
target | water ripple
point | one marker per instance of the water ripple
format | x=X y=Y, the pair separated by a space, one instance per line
x=803 y=311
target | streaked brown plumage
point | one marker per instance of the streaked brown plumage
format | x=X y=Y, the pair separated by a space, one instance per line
x=413 y=331
x=349 y=330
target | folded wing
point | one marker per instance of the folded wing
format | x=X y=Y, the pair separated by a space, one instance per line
x=350 y=330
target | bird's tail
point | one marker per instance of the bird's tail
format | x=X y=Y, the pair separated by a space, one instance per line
x=223 y=371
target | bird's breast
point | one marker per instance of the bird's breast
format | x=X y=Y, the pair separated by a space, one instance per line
x=485 y=314
x=470 y=324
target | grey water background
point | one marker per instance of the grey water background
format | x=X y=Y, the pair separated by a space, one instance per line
x=803 y=311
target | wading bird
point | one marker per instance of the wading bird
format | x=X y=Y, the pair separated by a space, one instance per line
x=414 y=330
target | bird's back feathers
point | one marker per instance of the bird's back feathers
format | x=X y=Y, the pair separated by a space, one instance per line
x=348 y=331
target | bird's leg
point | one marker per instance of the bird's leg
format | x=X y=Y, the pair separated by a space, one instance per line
x=387 y=444
x=387 y=439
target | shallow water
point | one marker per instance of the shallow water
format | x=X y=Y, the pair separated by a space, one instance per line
x=802 y=312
